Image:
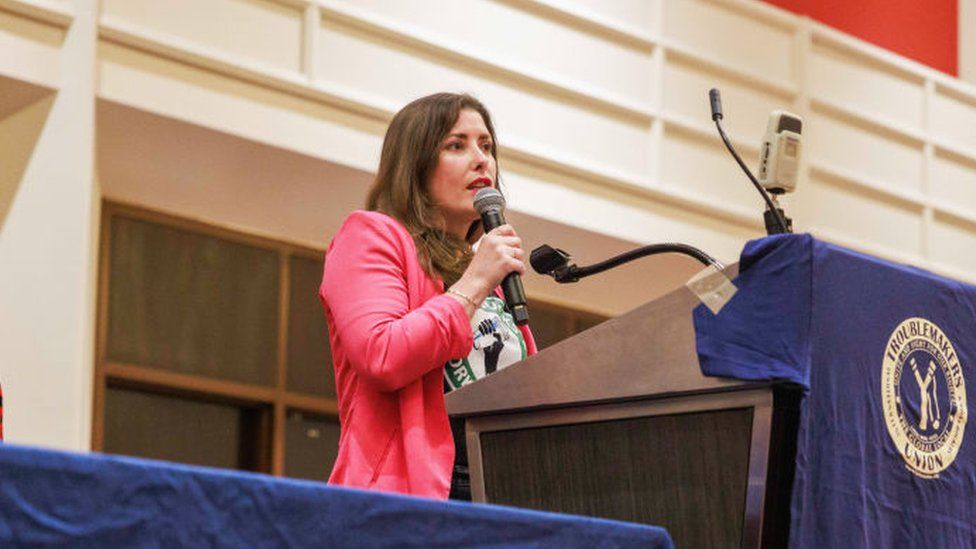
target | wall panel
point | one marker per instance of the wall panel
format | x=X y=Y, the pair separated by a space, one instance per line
x=573 y=86
x=349 y=59
x=866 y=87
x=855 y=149
x=953 y=181
x=184 y=92
x=731 y=36
x=702 y=167
x=641 y=220
x=841 y=208
x=536 y=43
x=637 y=14
x=31 y=50
x=747 y=108
x=311 y=445
x=172 y=429
x=952 y=243
x=256 y=30
x=953 y=117
x=223 y=324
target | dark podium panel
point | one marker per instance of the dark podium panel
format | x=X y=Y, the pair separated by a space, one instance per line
x=618 y=422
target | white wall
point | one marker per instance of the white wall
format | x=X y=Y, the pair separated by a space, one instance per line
x=605 y=98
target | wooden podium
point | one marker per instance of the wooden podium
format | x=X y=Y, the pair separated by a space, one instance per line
x=618 y=422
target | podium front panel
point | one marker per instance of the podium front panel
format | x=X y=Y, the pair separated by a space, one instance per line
x=682 y=463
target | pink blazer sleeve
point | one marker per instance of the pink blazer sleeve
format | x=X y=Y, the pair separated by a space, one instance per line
x=365 y=288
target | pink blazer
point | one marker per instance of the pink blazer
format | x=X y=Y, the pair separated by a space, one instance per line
x=392 y=330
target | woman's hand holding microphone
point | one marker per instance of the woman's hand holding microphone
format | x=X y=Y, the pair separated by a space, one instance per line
x=499 y=253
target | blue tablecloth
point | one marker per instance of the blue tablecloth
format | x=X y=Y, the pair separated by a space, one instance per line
x=59 y=499
x=887 y=357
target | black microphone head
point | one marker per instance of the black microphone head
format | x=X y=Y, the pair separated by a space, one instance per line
x=715 y=98
x=545 y=259
x=487 y=199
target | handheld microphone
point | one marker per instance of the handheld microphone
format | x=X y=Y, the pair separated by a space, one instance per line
x=780 y=158
x=490 y=204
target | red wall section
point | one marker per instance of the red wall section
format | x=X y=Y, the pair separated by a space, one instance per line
x=923 y=30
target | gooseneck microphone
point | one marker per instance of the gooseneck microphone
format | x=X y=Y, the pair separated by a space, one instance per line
x=490 y=204
x=774 y=218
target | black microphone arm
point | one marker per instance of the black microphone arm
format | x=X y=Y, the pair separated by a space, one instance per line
x=554 y=262
x=774 y=218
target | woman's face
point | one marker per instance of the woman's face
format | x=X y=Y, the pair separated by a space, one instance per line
x=464 y=165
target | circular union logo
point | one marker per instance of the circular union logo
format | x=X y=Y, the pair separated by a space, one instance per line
x=923 y=395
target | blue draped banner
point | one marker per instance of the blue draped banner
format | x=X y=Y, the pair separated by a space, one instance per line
x=59 y=499
x=886 y=456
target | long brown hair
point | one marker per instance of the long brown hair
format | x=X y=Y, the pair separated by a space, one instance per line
x=411 y=150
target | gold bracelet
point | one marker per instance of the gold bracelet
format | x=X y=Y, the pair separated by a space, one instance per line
x=462 y=296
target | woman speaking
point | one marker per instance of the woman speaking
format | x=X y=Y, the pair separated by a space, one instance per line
x=412 y=304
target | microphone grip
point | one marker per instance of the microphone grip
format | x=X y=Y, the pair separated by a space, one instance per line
x=515 y=298
x=512 y=283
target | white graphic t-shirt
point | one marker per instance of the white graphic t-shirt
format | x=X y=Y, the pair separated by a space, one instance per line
x=498 y=343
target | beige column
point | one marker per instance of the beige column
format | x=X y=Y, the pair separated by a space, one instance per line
x=48 y=250
x=967 y=40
